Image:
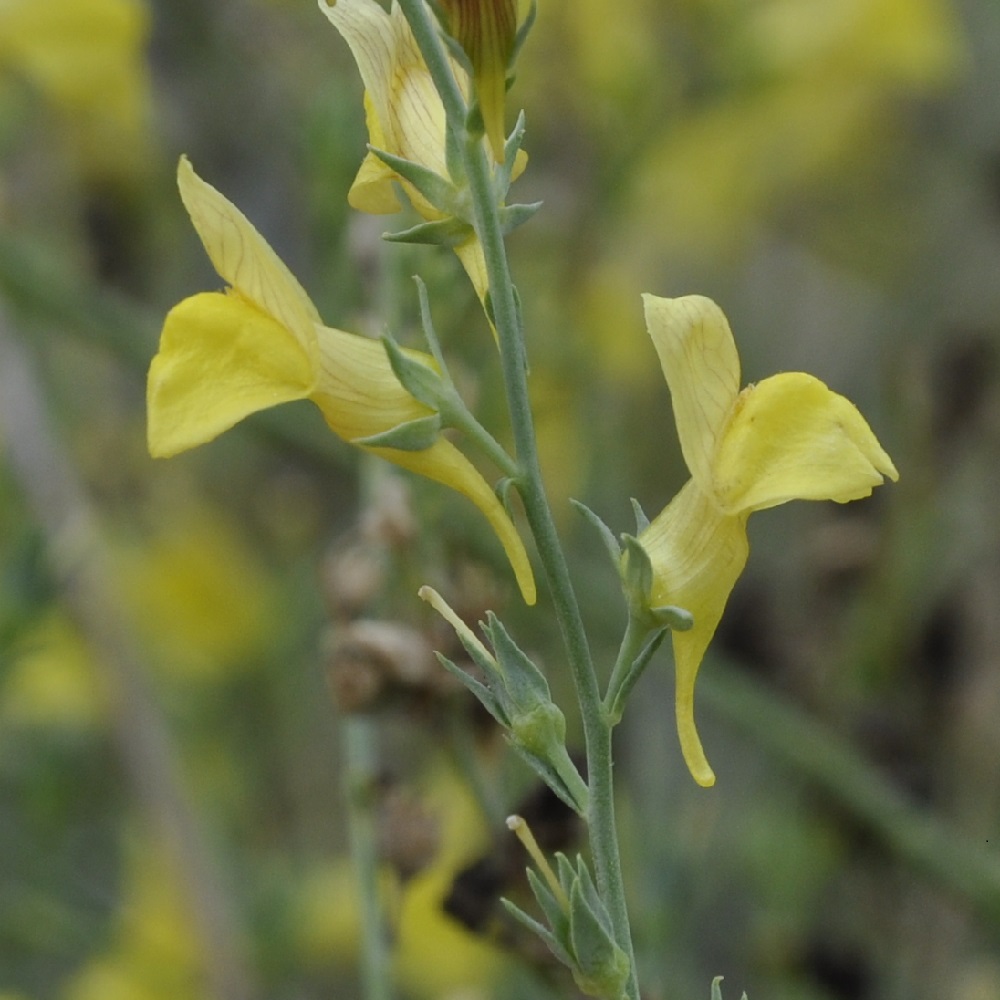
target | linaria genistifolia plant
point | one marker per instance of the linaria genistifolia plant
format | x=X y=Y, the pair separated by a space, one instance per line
x=436 y=76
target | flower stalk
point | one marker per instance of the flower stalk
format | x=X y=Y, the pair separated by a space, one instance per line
x=597 y=726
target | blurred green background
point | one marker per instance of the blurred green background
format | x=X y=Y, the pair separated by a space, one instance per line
x=172 y=819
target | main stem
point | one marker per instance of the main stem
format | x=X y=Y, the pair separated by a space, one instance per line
x=596 y=725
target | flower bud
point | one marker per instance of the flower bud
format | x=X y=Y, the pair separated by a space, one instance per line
x=486 y=30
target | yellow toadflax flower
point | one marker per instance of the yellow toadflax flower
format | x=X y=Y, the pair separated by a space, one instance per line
x=486 y=30
x=788 y=437
x=225 y=355
x=404 y=113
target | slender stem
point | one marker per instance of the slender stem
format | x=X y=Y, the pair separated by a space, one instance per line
x=635 y=635
x=360 y=775
x=596 y=726
x=455 y=414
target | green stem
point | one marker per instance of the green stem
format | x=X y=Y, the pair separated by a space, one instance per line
x=455 y=414
x=596 y=726
x=359 y=778
x=631 y=645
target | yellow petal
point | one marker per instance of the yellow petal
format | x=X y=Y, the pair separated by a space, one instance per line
x=405 y=106
x=357 y=390
x=790 y=437
x=373 y=38
x=699 y=360
x=697 y=555
x=373 y=190
x=244 y=259
x=444 y=463
x=470 y=254
x=220 y=359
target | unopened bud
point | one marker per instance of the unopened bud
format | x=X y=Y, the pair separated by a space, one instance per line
x=486 y=30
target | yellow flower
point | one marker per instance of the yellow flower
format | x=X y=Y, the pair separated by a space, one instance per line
x=788 y=437
x=225 y=355
x=404 y=113
x=486 y=30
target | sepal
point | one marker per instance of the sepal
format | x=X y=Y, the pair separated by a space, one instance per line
x=522 y=32
x=482 y=693
x=674 y=618
x=641 y=520
x=555 y=914
x=637 y=575
x=636 y=570
x=537 y=725
x=717 y=989
x=451 y=232
x=420 y=380
x=536 y=928
x=512 y=216
x=414 y=435
x=607 y=535
x=504 y=176
x=438 y=190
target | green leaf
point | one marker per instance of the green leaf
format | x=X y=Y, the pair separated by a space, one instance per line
x=641 y=521
x=536 y=928
x=607 y=535
x=551 y=777
x=602 y=968
x=485 y=696
x=525 y=683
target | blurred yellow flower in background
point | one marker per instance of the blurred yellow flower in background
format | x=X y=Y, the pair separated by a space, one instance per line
x=226 y=355
x=199 y=596
x=154 y=952
x=788 y=437
x=52 y=680
x=433 y=956
x=87 y=59
x=820 y=81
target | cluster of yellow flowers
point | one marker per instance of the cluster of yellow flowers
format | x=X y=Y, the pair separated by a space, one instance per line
x=225 y=355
